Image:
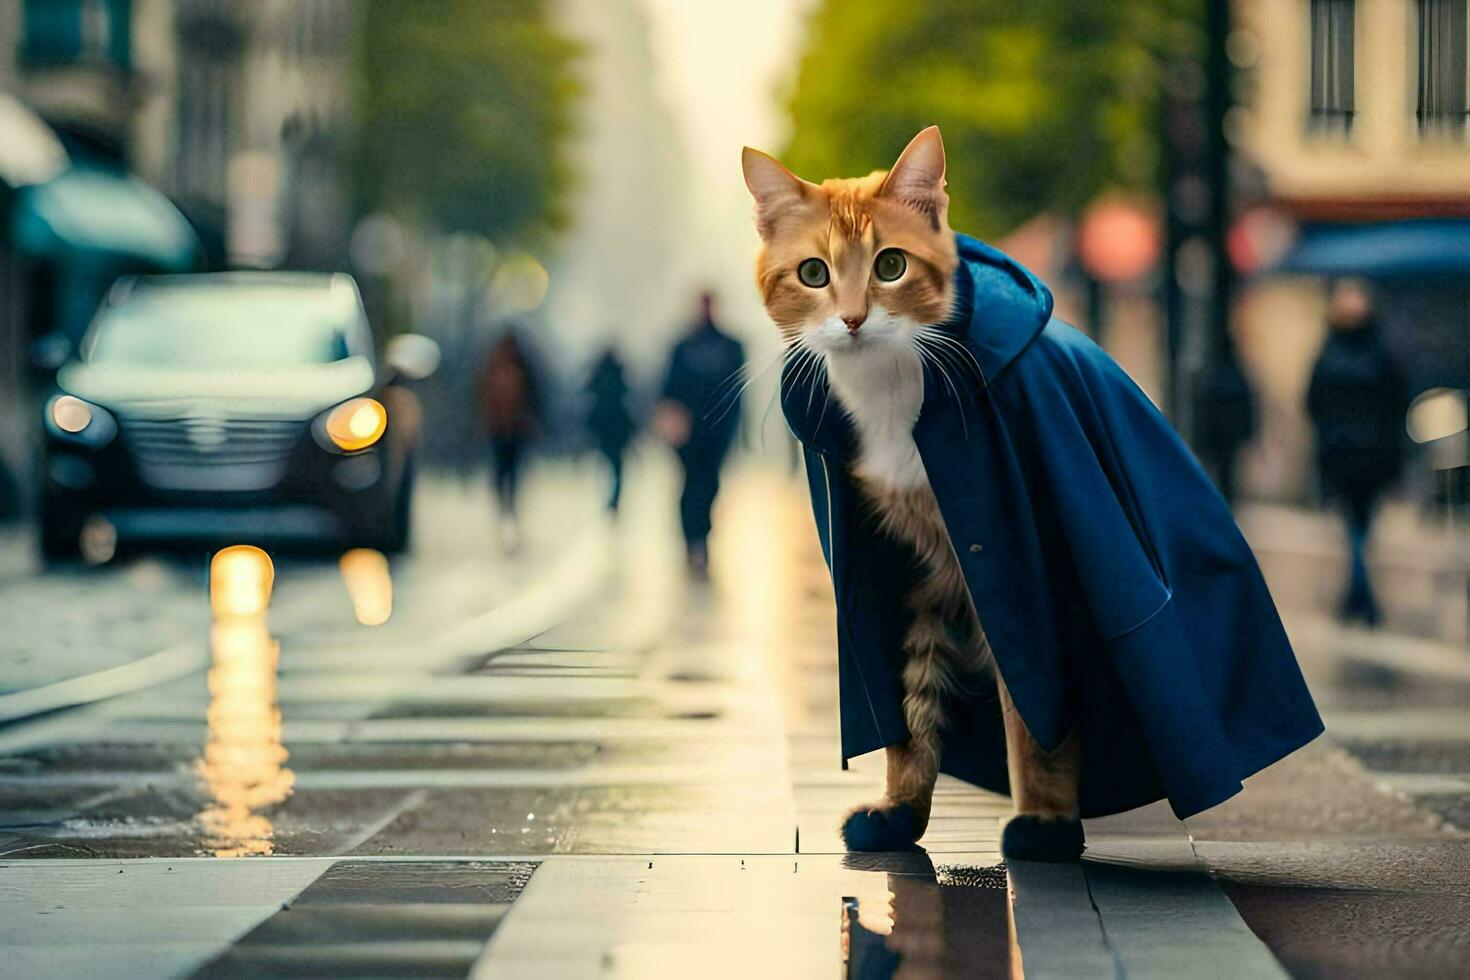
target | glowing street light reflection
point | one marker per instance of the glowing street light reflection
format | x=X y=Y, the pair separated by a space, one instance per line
x=240 y=581
x=369 y=585
x=98 y=541
x=243 y=768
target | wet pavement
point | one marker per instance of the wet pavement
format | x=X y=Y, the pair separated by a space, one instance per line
x=1348 y=859
x=360 y=918
x=571 y=762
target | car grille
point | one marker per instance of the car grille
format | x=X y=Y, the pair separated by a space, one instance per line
x=198 y=451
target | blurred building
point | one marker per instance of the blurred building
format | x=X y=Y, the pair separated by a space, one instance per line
x=1351 y=128
x=614 y=272
x=100 y=72
x=84 y=87
x=238 y=109
x=262 y=119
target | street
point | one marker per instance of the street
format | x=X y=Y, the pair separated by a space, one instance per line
x=520 y=489
x=572 y=763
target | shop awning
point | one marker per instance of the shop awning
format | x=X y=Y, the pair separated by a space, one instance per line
x=93 y=212
x=1390 y=249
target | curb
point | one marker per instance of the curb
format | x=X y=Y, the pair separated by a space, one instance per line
x=156 y=668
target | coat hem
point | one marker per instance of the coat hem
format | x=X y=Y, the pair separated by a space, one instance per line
x=1183 y=808
x=1253 y=765
x=1190 y=807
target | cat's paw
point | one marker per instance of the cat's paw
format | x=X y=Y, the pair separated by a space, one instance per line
x=890 y=828
x=1030 y=838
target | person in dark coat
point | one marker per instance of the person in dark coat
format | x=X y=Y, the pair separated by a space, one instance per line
x=1225 y=419
x=509 y=395
x=699 y=415
x=609 y=422
x=1357 y=401
x=1119 y=598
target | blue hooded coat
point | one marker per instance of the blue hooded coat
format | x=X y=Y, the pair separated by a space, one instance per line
x=1118 y=595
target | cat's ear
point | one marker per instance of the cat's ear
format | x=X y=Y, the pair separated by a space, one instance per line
x=917 y=179
x=773 y=186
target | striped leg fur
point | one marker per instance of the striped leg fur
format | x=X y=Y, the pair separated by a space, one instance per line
x=943 y=645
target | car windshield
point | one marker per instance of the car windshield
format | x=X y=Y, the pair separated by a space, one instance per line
x=197 y=327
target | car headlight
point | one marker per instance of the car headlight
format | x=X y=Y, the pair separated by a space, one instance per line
x=356 y=424
x=73 y=420
x=70 y=414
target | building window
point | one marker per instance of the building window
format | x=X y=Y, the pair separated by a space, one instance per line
x=1442 y=77
x=63 y=32
x=1332 y=65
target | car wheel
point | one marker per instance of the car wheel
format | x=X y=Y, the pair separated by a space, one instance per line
x=61 y=534
x=402 y=527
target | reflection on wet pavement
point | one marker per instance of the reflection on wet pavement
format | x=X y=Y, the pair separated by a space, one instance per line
x=243 y=768
x=917 y=922
x=369 y=585
x=752 y=915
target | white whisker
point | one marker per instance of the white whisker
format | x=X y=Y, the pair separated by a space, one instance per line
x=961 y=352
x=935 y=361
x=730 y=398
x=826 y=395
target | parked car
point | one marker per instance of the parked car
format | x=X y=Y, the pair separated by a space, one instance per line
x=232 y=407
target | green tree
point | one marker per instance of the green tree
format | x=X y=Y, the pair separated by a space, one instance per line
x=1043 y=103
x=463 y=111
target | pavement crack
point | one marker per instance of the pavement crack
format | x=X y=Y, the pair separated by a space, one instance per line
x=1118 y=972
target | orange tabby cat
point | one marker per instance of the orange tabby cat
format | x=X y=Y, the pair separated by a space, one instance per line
x=856 y=273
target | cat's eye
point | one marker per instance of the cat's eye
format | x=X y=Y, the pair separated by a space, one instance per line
x=813 y=273
x=890 y=264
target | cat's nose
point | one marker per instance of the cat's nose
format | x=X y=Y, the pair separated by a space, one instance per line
x=854 y=322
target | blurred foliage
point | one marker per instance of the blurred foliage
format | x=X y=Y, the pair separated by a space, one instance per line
x=464 y=107
x=1043 y=103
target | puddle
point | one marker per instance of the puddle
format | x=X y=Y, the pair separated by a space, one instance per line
x=920 y=923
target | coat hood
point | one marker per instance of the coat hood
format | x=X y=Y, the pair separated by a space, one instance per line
x=1000 y=306
x=999 y=309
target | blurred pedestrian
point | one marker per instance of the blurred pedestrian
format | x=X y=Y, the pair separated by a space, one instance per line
x=609 y=422
x=1357 y=400
x=509 y=404
x=1225 y=420
x=699 y=415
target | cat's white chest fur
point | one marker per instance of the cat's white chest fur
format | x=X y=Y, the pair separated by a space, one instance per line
x=882 y=390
